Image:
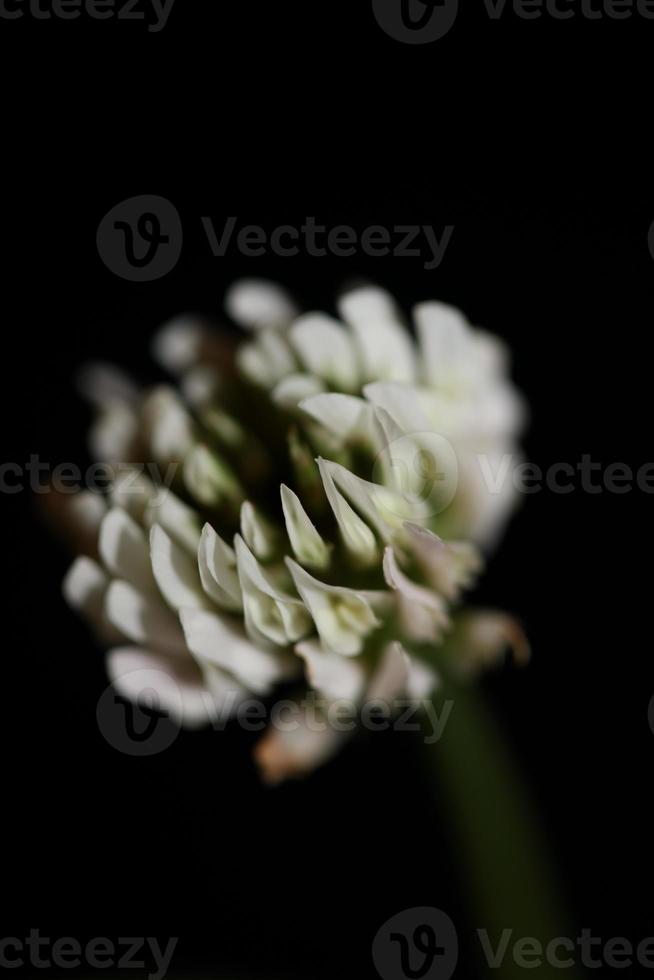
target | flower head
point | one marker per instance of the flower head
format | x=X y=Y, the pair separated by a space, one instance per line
x=305 y=510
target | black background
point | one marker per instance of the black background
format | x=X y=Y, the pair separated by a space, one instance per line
x=271 y=114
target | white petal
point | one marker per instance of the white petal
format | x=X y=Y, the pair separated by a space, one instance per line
x=292 y=389
x=481 y=509
x=259 y=535
x=84 y=588
x=217 y=564
x=399 y=463
x=267 y=360
x=86 y=510
x=399 y=674
x=357 y=536
x=331 y=674
x=422 y=467
x=422 y=679
x=481 y=637
x=124 y=549
x=257 y=303
x=500 y=412
x=270 y=614
x=386 y=347
x=133 y=491
x=172 y=685
x=402 y=404
x=325 y=348
x=358 y=492
x=385 y=509
x=104 y=384
x=468 y=415
x=364 y=303
x=168 y=427
x=450 y=566
x=295 y=752
x=226 y=692
x=390 y=678
x=144 y=619
x=208 y=478
x=343 y=618
x=308 y=547
x=443 y=334
x=344 y=416
x=253 y=365
x=176 y=518
x=176 y=573
x=226 y=428
x=213 y=638
x=177 y=345
x=422 y=612
x=113 y=435
x=277 y=352
x=200 y=386
x=491 y=353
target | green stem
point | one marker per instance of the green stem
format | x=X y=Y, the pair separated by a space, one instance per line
x=505 y=872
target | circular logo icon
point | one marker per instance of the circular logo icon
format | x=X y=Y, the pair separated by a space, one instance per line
x=140 y=727
x=416 y=21
x=141 y=239
x=650 y=714
x=423 y=471
x=417 y=944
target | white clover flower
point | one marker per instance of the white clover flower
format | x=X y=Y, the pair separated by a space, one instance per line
x=313 y=517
